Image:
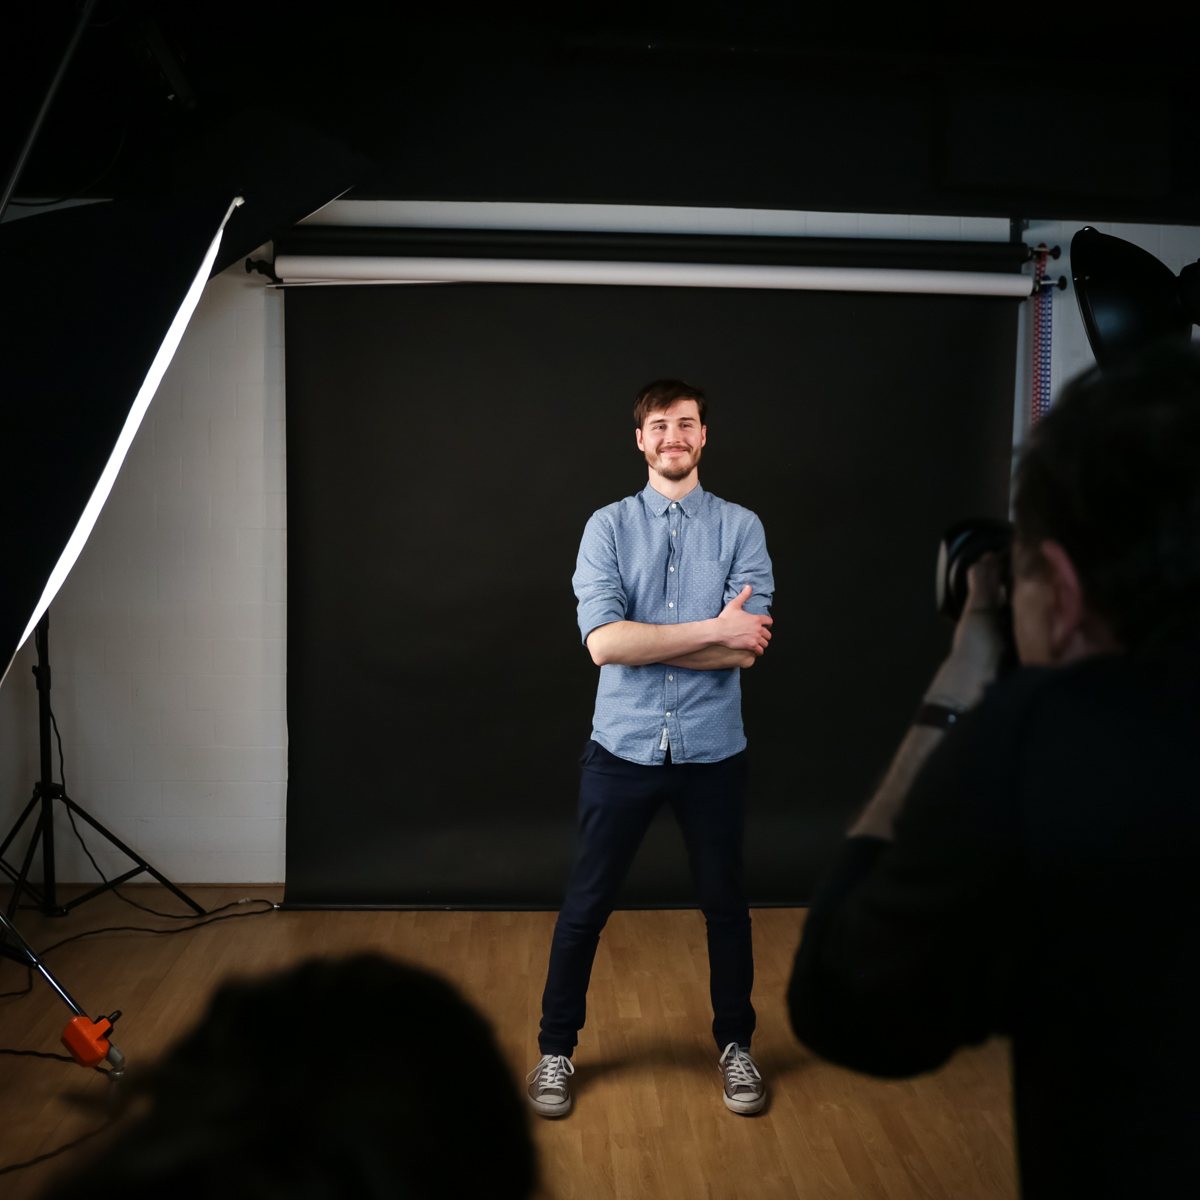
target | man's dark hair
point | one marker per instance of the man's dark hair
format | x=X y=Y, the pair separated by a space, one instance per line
x=661 y=394
x=1113 y=475
x=359 y=1079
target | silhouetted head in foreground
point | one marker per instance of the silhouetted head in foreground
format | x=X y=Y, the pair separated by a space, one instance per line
x=359 y=1079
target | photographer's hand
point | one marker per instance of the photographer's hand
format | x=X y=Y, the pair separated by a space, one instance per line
x=978 y=641
x=972 y=663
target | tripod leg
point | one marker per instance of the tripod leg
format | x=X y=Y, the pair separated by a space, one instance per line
x=137 y=858
x=48 y=791
x=21 y=884
x=12 y=833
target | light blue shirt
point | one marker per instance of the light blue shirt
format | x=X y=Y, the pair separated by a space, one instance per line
x=664 y=562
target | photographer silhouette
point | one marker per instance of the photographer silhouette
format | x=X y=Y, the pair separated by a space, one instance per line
x=1027 y=866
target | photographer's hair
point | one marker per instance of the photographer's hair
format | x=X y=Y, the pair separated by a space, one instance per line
x=661 y=394
x=1113 y=475
x=324 y=1082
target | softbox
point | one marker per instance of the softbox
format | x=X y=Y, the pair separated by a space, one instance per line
x=95 y=301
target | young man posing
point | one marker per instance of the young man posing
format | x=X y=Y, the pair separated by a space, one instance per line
x=674 y=587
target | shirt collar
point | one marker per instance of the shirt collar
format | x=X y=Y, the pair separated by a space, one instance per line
x=658 y=504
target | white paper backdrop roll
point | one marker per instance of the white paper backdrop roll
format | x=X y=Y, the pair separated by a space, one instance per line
x=313 y=268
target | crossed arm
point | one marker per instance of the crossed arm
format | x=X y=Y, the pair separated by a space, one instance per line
x=735 y=638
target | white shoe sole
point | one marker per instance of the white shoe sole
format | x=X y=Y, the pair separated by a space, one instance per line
x=551 y=1110
x=745 y=1107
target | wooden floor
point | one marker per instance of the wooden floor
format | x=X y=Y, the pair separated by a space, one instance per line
x=649 y=1120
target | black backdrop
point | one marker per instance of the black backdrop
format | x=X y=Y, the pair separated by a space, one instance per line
x=446 y=444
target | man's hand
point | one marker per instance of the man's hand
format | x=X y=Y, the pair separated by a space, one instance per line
x=740 y=630
x=743 y=635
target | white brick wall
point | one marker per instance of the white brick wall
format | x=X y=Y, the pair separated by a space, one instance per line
x=167 y=641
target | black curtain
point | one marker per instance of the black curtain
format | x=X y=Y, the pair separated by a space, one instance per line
x=446 y=444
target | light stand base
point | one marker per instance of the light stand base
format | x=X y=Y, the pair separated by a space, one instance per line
x=45 y=793
x=45 y=898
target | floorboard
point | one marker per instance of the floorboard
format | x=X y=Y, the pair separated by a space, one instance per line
x=649 y=1120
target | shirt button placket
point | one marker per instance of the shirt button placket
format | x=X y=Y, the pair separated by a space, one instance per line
x=675 y=519
x=675 y=516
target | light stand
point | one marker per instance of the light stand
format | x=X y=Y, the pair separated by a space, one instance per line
x=45 y=793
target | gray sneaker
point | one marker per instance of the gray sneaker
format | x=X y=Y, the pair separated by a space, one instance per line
x=549 y=1092
x=745 y=1091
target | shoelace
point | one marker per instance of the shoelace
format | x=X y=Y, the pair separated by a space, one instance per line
x=552 y=1071
x=739 y=1067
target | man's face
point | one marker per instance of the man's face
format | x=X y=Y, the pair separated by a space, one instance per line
x=672 y=439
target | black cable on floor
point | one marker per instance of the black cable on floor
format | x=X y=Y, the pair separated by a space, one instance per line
x=61 y=1149
x=46 y=1054
x=209 y=920
x=23 y=991
x=258 y=912
x=41 y=1158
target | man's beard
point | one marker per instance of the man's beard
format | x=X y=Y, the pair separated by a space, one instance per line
x=676 y=473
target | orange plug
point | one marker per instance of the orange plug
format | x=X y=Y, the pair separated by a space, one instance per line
x=87 y=1040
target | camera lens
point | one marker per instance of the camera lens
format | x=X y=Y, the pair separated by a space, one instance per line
x=963 y=545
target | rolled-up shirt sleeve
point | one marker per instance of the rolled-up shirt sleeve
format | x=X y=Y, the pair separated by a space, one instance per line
x=752 y=565
x=597 y=578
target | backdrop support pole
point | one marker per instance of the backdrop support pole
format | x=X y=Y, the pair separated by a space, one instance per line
x=46 y=791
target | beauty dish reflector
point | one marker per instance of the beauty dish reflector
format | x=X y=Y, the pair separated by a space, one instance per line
x=1128 y=299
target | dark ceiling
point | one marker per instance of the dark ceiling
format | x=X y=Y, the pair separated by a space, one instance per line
x=720 y=104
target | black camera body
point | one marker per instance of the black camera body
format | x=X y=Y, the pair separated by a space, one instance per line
x=963 y=545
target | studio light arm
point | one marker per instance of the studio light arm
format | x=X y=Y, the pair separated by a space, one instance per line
x=87 y=1040
x=14 y=177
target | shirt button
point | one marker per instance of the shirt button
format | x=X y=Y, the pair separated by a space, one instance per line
x=672 y=570
x=668 y=714
x=672 y=507
x=670 y=603
x=670 y=676
x=672 y=533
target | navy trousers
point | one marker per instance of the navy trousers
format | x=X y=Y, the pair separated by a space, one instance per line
x=617 y=800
